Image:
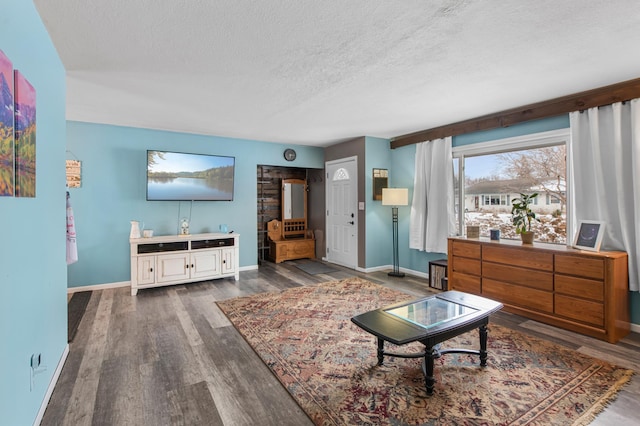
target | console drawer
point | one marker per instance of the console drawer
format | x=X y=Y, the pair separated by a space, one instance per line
x=529 y=298
x=464 y=249
x=580 y=310
x=580 y=287
x=581 y=266
x=466 y=266
x=465 y=283
x=520 y=276
x=518 y=257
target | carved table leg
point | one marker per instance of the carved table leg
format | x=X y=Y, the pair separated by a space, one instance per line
x=380 y=351
x=483 y=345
x=429 y=355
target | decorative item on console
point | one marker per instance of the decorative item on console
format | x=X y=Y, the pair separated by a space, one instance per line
x=473 y=231
x=589 y=235
x=184 y=226
x=522 y=215
x=135 y=230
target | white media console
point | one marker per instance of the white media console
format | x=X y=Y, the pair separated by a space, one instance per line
x=177 y=259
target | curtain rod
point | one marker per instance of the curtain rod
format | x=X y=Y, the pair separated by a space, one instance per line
x=618 y=92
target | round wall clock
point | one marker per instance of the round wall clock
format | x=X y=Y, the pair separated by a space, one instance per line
x=289 y=154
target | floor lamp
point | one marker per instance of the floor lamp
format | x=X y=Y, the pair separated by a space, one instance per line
x=395 y=197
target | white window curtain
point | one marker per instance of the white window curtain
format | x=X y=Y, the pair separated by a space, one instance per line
x=604 y=174
x=432 y=217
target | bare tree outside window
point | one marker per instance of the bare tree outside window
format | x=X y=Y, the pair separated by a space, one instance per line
x=546 y=168
x=493 y=180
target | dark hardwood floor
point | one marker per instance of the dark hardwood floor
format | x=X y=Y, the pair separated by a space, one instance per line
x=168 y=356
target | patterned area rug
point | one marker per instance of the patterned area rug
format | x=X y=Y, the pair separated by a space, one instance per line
x=329 y=366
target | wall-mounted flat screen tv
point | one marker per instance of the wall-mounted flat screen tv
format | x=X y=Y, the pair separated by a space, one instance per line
x=180 y=176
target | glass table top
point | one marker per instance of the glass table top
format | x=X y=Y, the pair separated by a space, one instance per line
x=430 y=312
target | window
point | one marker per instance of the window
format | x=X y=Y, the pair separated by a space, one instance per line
x=495 y=200
x=489 y=175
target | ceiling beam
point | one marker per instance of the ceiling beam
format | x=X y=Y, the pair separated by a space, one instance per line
x=618 y=92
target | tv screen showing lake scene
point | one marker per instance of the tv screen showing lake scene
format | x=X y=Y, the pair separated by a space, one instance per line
x=179 y=176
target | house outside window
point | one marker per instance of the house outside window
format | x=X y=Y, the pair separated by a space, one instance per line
x=489 y=175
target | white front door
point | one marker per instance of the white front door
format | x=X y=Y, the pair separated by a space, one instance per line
x=342 y=211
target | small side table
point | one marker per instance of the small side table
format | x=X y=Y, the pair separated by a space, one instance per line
x=438 y=274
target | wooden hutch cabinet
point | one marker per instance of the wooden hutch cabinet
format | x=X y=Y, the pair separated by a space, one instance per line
x=586 y=292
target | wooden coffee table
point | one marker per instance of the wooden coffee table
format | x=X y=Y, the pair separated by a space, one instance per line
x=430 y=321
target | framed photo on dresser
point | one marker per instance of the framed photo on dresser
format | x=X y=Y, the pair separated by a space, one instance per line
x=589 y=235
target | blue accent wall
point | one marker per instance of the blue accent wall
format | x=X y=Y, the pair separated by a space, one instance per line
x=33 y=273
x=526 y=128
x=403 y=169
x=378 y=217
x=113 y=192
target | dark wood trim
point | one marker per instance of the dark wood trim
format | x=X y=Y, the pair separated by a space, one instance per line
x=618 y=92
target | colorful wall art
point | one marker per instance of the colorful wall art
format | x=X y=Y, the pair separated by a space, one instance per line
x=6 y=127
x=25 y=137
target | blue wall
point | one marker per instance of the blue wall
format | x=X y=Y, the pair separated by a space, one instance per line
x=378 y=217
x=33 y=273
x=113 y=193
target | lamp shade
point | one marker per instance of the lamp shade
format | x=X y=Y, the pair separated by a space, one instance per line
x=395 y=196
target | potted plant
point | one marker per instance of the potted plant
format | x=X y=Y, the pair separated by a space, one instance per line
x=522 y=215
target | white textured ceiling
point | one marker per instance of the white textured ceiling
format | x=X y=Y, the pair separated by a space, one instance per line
x=315 y=72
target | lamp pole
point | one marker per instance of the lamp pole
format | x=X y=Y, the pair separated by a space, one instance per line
x=395 y=197
x=396 y=266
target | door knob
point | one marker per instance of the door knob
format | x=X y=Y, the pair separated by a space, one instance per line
x=351 y=223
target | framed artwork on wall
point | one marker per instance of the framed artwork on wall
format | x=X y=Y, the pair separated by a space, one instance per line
x=380 y=180
x=25 y=136
x=589 y=235
x=73 y=173
x=7 y=153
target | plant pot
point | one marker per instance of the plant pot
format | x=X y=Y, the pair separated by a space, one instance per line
x=527 y=237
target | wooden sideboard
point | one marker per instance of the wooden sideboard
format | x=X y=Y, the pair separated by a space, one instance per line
x=586 y=292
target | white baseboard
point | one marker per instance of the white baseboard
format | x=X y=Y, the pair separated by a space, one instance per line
x=98 y=286
x=635 y=328
x=52 y=385
x=127 y=283
x=390 y=267
x=248 y=268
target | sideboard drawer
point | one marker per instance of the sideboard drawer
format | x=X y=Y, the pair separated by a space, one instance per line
x=579 y=309
x=580 y=287
x=581 y=266
x=465 y=249
x=518 y=257
x=465 y=283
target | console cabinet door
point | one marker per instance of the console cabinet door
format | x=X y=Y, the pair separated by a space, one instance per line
x=228 y=264
x=205 y=264
x=146 y=270
x=172 y=267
